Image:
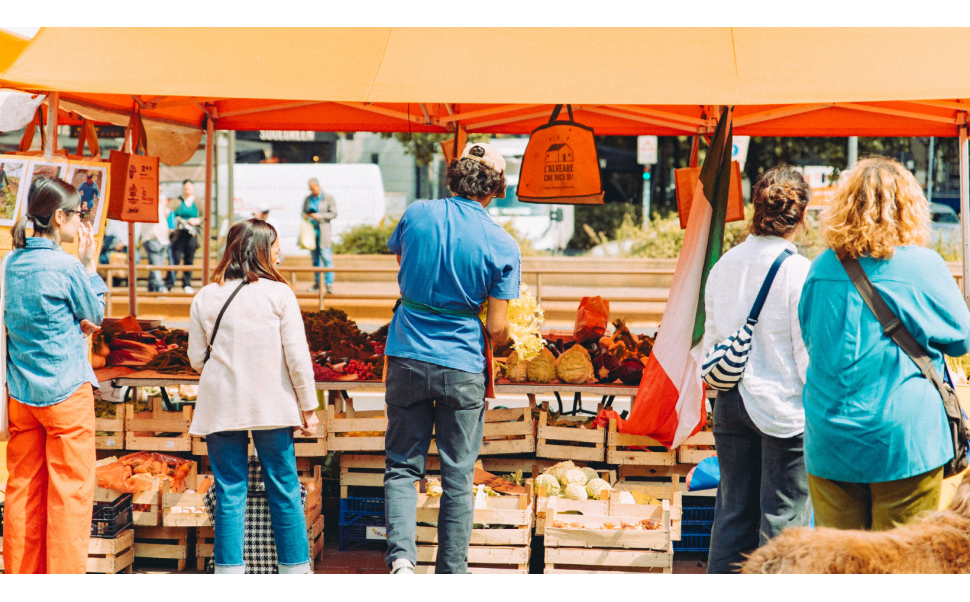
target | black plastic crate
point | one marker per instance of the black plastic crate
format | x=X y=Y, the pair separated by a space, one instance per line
x=694 y=538
x=111 y=518
x=362 y=511
x=354 y=535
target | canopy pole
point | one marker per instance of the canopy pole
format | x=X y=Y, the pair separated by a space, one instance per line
x=53 y=105
x=965 y=207
x=207 y=207
x=930 y=154
x=132 y=274
x=230 y=169
x=853 y=153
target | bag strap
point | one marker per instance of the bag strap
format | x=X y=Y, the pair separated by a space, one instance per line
x=759 y=301
x=891 y=324
x=215 y=329
x=556 y=111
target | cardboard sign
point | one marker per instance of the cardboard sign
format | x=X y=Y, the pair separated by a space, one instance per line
x=686 y=179
x=560 y=164
x=134 y=188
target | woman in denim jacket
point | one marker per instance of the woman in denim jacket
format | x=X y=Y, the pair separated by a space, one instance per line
x=52 y=302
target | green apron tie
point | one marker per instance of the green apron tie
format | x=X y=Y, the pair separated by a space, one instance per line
x=416 y=306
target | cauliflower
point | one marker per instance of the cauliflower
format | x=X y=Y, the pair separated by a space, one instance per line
x=574 y=366
x=590 y=474
x=557 y=469
x=542 y=369
x=627 y=498
x=573 y=475
x=549 y=482
x=525 y=319
x=595 y=486
x=574 y=491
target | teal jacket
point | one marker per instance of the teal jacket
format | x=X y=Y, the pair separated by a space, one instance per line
x=870 y=416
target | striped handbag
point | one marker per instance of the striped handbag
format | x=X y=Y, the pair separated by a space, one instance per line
x=724 y=364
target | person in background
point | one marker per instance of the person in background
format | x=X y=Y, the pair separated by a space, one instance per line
x=258 y=378
x=876 y=433
x=453 y=259
x=261 y=214
x=89 y=193
x=4 y=181
x=184 y=222
x=53 y=301
x=155 y=240
x=759 y=424
x=320 y=208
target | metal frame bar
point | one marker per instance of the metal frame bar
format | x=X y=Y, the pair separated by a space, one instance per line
x=777 y=113
x=207 y=212
x=943 y=104
x=661 y=114
x=482 y=113
x=268 y=108
x=896 y=112
x=614 y=113
x=383 y=111
x=471 y=127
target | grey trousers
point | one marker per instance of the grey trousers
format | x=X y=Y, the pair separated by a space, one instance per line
x=422 y=397
x=763 y=488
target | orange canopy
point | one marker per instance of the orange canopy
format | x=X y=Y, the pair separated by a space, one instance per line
x=783 y=81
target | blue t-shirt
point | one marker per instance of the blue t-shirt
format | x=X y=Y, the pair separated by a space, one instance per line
x=453 y=256
x=88 y=191
x=870 y=416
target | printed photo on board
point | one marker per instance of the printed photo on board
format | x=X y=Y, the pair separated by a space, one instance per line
x=90 y=183
x=39 y=169
x=12 y=170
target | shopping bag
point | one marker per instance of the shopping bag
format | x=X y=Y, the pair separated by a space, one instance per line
x=308 y=236
x=591 y=318
x=706 y=475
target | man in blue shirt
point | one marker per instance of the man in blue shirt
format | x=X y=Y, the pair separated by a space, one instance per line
x=453 y=258
x=321 y=208
x=89 y=193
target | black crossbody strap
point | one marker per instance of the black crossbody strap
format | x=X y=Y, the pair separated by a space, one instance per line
x=215 y=329
x=759 y=301
x=891 y=324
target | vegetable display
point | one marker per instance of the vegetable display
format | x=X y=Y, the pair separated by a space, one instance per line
x=124 y=343
x=340 y=350
x=525 y=320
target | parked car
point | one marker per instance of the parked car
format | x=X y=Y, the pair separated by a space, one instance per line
x=946 y=225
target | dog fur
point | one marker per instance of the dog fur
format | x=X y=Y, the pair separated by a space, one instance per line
x=936 y=542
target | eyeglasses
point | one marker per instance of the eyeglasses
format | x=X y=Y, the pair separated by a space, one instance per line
x=81 y=212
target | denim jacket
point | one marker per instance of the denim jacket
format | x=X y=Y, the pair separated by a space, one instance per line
x=48 y=293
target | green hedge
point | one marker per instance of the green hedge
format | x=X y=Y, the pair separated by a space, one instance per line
x=366 y=239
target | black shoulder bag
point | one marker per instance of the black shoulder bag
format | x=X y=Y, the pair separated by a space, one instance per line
x=215 y=328
x=894 y=329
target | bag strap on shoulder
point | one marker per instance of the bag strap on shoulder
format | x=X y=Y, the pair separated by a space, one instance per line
x=890 y=322
x=215 y=328
x=759 y=301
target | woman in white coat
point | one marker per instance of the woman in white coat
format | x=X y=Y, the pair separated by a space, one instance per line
x=246 y=337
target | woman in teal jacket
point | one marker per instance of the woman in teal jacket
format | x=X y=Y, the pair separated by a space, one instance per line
x=876 y=435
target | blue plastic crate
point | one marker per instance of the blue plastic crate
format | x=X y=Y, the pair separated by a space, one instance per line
x=697 y=515
x=354 y=536
x=694 y=538
x=362 y=510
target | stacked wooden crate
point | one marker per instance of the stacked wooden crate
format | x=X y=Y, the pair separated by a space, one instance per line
x=569 y=443
x=158 y=430
x=108 y=556
x=112 y=430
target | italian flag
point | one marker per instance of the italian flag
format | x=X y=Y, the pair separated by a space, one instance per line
x=669 y=405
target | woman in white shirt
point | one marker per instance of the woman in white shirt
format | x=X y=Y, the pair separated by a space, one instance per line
x=759 y=424
x=258 y=377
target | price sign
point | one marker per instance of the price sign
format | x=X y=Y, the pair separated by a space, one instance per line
x=134 y=188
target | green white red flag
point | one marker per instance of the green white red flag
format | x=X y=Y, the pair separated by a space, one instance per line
x=669 y=405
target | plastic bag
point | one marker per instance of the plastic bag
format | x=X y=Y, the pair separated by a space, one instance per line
x=706 y=475
x=592 y=318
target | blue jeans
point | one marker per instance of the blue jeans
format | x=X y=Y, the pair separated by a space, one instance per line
x=324 y=256
x=157 y=255
x=228 y=455
x=422 y=397
x=763 y=488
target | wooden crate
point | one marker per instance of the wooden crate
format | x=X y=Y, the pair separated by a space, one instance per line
x=143 y=429
x=347 y=420
x=505 y=550
x=563 y=443
x=171 y=543
x=113 y=429
x=305 y=446
x=510 y=431
x=593 y=549
x=109 y=556
x=688 y=452
x=620 y=449
x=205 y=542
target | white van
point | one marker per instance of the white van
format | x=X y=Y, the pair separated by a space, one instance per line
x=282 y=187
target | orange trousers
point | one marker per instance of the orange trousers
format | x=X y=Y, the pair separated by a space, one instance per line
x=50 y=488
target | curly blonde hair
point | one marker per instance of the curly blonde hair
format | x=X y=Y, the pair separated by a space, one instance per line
x=878 y=206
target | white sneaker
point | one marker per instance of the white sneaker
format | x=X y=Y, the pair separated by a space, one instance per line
x=163 y=290
x=188 y=290
x=402 y=566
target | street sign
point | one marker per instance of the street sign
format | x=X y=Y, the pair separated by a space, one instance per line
x=646 y=150
x=739 y=152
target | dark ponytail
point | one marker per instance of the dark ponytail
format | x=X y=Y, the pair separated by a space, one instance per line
x=46 y=196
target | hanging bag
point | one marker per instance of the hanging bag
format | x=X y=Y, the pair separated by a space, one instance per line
x=724 y=364
x=560 y=164
x=893 y=327
x=308 y=236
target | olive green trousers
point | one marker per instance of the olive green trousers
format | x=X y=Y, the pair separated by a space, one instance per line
x=874 y=506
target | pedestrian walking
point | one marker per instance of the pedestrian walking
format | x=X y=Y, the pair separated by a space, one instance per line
x=876 y=434
x=184 y=222
x=51 y=302
x=759 y=424
x=246 y=337
x=319 y=208
x=155 y=241
x=453 y=258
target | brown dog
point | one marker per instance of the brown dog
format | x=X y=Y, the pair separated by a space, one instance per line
x=937 y=542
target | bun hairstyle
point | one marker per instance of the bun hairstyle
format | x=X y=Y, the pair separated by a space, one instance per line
x=46 y=196
x=779 y=200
